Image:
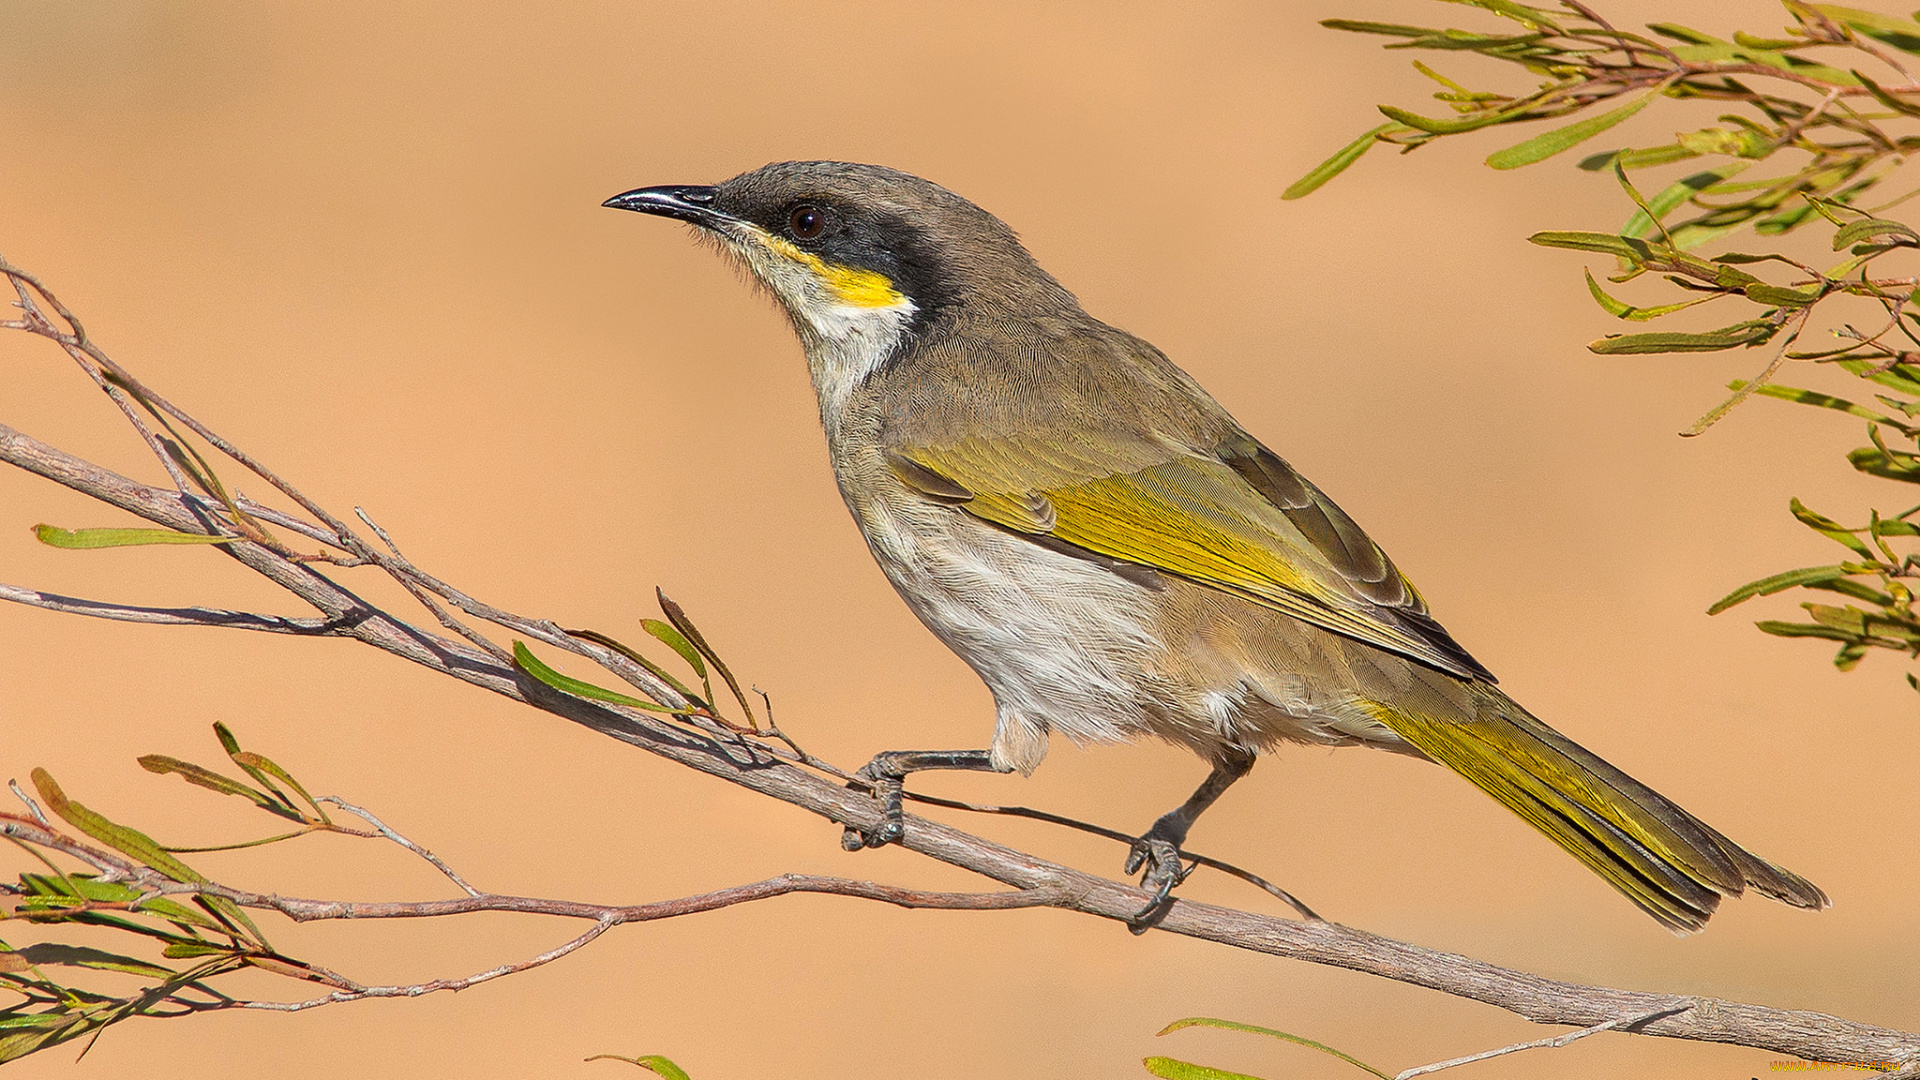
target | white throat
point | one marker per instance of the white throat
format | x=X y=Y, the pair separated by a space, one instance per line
x=844 y=341
x=844 y=346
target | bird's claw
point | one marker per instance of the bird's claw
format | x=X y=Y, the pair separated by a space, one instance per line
x=1164 y=870
x=887 y=791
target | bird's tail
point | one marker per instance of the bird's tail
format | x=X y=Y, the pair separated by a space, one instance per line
x=1665 y=860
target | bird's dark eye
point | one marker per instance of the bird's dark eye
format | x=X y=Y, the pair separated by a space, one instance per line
x=806 y=222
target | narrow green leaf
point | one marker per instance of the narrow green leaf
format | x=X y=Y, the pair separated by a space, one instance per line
x=1902 y=34
x=82 y=887
x=1532 y=18
x=1676 y=194
x=45 y=1029
x=1356 y=26
x=132 y=843
x=84 y=539
x=1465 y=41
x=1788 y=629
x=1232 y=1025
x=529 y=663
x=1767 y=586
x=1881 y=95
x=213 y=781
x=1637 y=159
x=1606 y=243
x=1622 y=310
x=1743 y=143
x=1829 y=528
x=51 y=954
x=1455 y=92
x=1819 y=400
x=1856 y=589
x=1432 y=126
x=634 y=655
x=1850 y=655
x=187 y=950
x=256 y=764
x=653 y=1062
x=1855 y=231
x=1893 y=378
x=248 y=763
x=1741 y=37
x=1547 y=144
x=1171 y=1069
x=1848 y=619
x=1674 y=341
x=1645 y=212
x=683 y=623
x=233 y=920
x=1682 y=33
x=139 y=846
x=1727 y=52
x=1888 y=466
x=1724 y=276
x=1338 y=163
x=1774 y=296
x=678 y=642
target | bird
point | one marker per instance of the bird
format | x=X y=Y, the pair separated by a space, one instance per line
x=1116 y=557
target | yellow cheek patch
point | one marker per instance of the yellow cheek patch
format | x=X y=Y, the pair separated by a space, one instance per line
x=858 y=288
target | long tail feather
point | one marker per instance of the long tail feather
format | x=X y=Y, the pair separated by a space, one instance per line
x=1665 y=860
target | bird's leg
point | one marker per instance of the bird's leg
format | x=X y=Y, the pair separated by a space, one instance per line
x=884 y=776
x=1159 y=849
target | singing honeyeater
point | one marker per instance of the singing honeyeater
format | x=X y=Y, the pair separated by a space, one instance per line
x=1115 y=556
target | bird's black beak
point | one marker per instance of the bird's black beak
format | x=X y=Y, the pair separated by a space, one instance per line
x=677 y=201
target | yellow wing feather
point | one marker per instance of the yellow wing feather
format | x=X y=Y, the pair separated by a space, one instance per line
x=1199 y=517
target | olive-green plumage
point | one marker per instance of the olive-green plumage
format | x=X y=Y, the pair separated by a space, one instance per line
x=1115 y=556
x=1237 y=518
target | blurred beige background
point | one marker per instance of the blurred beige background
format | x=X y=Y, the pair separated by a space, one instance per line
x=364 y=240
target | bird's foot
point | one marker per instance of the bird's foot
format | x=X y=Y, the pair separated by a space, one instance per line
x=887 y=786
x=884 y=776
x=1159 y=852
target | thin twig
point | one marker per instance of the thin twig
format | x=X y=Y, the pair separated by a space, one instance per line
x=418 y=989
x=1713 y=416
x=1547 y=1043
x=33 y=806
x=387 y=831
x=1247 y=876
x=420 y=593
x=188 y=616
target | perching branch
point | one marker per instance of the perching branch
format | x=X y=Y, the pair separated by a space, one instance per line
x=683 y=725
x=115 y=868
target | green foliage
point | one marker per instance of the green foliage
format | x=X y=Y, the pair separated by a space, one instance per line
x=677 y=633
x=1809 y=136
x=209 y=931
x=83 y=539
x=1873 y=577
x=1172 y=1069
x=652 y=1062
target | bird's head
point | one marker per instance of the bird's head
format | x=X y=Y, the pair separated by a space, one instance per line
x=859 y=251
